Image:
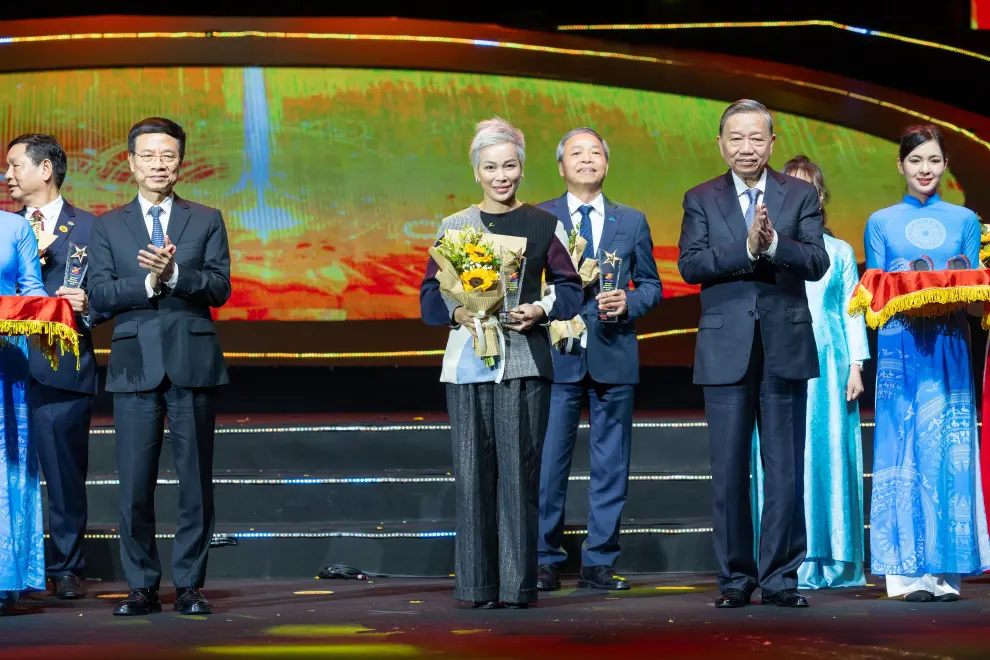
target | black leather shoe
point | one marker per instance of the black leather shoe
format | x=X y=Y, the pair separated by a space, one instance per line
x=785 y=598
x=517 y=606
x=140 y=602
x=947 y=598
x=731 y=599
x=920 y=596
x=547 y=579
x=67 y=587
x=191 y=601
x=485 y=605
x=601 y=577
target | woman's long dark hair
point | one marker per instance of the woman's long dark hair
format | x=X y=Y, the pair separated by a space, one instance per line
x=804 y=165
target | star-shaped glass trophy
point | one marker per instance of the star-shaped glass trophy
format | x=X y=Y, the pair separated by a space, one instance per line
x=609 y=279
x=510 y=281
x=75 y=266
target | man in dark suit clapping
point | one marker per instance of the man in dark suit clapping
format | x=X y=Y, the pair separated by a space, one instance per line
x=61 y=399
x=159 y=264
x=752 y=238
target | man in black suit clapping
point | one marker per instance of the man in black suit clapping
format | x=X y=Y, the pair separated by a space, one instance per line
x=158 y=264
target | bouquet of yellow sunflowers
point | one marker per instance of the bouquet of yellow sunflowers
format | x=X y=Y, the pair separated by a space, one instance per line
x=471 y=265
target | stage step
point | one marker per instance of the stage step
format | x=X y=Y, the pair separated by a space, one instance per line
x=282 y=551
x=380 y=496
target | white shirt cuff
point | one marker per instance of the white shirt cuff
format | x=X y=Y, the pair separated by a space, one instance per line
x=858 y=363
x=175 y=276
x=749 y=254
x=772 y=250
x=148 y=289
x=546 y=310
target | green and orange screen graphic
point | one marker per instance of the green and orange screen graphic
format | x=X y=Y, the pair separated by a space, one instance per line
x=333 y=181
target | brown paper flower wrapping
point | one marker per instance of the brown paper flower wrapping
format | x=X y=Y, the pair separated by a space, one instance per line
x=561 y=331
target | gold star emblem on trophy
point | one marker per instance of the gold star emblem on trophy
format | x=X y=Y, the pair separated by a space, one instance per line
x=611 y=259
x=512 y=258
x=79 y=253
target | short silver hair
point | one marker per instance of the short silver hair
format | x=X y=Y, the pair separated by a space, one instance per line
x=496 y=131
x=578 y=131
x=743 y=106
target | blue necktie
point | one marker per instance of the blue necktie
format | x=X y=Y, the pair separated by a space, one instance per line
x=157 y=233
x=584 y=231
x=753 y=194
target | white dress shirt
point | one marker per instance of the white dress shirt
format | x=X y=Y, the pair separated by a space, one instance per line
x=597 y=216
x=51 y=211
x=149 y=222
x=741 y=189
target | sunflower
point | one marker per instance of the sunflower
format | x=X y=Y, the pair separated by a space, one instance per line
x=478 y=279
x=479 y=254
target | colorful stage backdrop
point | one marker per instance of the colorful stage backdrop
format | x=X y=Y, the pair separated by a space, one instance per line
x=333 y=181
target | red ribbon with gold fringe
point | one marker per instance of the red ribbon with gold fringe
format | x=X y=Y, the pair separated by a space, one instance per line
x=48 y=323
x=880 y=295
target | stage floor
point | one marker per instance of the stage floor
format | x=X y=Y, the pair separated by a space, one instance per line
x=663 y=616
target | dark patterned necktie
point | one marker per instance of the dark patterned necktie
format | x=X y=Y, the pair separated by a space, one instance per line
x=157 y=233
x=584 y=231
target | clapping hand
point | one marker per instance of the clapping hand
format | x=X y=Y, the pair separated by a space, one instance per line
x=761 y=232
x=159 y=261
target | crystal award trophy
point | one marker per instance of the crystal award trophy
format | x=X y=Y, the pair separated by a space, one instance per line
x=510 y=281
x=609 y=279
x=75 y=266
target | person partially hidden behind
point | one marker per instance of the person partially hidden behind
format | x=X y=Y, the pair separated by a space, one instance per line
x=61 y=400
x=751 y=238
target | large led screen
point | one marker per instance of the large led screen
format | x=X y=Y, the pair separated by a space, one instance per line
x=333 y=181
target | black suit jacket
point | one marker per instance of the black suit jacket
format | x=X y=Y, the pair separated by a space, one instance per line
x=173 y=333
x=713 y=254
x=73 y=226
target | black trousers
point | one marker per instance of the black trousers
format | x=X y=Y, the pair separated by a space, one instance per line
x=139 y=420
x=779 y=407
x=60 y=430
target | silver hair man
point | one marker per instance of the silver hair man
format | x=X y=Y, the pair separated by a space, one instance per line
x=578 y=131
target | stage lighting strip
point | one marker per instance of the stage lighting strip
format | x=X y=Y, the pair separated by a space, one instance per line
x=227 y=430
x=337 y=36
x=403 y=535
x=389 y=354
x=391 y=428
x=317 y=481
x=776 y=24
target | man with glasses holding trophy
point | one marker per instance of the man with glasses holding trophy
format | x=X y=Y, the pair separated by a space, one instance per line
x=61 y=400
x=596 y=357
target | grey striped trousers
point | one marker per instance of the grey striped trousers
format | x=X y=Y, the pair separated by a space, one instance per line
x=497 y=431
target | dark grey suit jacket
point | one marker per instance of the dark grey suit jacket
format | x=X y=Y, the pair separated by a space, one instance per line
x=172 y=334
x=713 y=254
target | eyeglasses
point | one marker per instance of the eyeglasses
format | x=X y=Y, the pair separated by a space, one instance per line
x=167 y=159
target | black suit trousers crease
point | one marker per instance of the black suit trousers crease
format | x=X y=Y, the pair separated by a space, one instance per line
x=778 y=407
x=139 y=421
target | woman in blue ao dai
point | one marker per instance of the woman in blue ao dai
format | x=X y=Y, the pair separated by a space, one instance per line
x=928 y=526
x=833 y=455
x=22 y=553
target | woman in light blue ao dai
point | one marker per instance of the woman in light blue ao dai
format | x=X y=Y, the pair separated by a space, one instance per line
x=22 y=552
x=928 y=525
x=833 y=457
